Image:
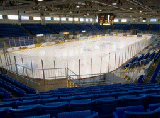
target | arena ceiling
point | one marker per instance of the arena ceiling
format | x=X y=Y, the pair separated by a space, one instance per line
x=121 y=8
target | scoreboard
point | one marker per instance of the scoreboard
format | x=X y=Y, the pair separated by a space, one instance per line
x=104 y=19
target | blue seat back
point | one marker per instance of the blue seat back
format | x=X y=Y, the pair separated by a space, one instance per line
x=120 y=110
x=77 y=114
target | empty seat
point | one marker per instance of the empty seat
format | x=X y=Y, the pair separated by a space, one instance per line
x=106 y=107
x=25 y=112
x=77 y=114
x=79 y=105
x=42 y=116
x=153 y=107
x=150 y=114
x=56 y=107
x=121 y=110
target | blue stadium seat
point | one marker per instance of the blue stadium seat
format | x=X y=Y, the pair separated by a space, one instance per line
x=68 y=98
x=78 y=114
x=25 y=112
x=151 y=114
x=42 y=116
x=121 y=110
x=56 y=107
x=80 y=105
x=106 y=107
x=153 y=107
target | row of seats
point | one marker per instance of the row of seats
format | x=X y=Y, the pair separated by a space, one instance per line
x=88 y=92
x=18 y=84
x=138 y=61
x=155 y=74
x=86 y=28
x=144 y=59
x=37 y=29
x=51 y=110
x=137 y=112
x=117 y=26
x=141 y=27
x=155 y=27
x=105 y=106
x=121 y=112
x=5 y=94
x=9 y=30
x=12 y=88
x=126 y=27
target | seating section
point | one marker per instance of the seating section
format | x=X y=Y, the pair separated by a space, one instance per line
x=9 y=30
x=142 y=27
x=84 y=27
x=120 y=111
x=109 y=27
x=99 y=26
x=37 y=29
x=89 y=102
x=93 y=27
x=117 y=26
x=126 y=27
x=72 y=27
x=15 y=86
x=151 y=114
x=57 y=28
x=12 y=88
x=155 y=28
x=143 y=59
x=5 y=94
x=78 y=114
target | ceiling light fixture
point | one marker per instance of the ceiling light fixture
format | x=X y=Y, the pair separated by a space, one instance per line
x=114 y=3
x=131 y=8
x=78 y=6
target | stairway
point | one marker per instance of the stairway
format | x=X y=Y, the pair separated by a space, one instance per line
x=131 y=27
x=51 y=29
x=112 y=28
x=122 y=27
x=27 y=31
x=150 y=27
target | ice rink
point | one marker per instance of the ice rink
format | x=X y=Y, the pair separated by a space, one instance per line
x=92 y=56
